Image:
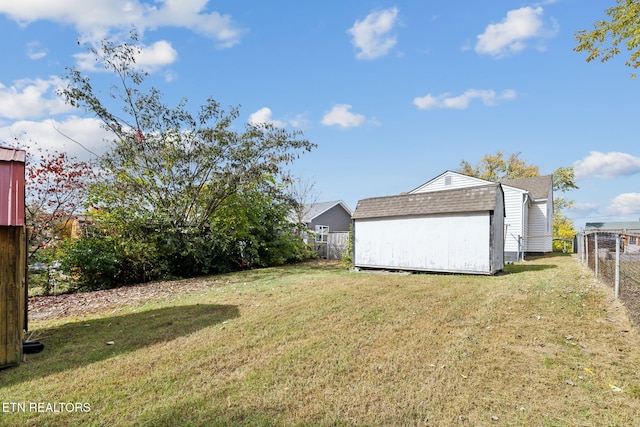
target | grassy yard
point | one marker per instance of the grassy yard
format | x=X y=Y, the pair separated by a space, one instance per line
x=540 y=344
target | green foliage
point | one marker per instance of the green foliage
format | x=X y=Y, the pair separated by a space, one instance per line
x=495 y=167
x=182 y=193
x=622 y=29
x=562 y=229
x=347 y=254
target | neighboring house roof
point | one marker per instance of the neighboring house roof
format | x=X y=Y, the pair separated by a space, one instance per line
x=613 y=226
x=471 y=199
x=314 y=210
x=537 y=186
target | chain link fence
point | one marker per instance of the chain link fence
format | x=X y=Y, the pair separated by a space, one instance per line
x=614 y=258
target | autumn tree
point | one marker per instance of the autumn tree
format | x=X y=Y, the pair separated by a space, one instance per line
x=56 y=191
x=620 y=31
x=170 y=170
x=494 y=167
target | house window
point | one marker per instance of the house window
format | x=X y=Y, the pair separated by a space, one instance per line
x=633 y=240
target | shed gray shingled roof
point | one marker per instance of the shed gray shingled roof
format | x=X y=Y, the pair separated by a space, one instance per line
x=537 y=186
x=472 y=199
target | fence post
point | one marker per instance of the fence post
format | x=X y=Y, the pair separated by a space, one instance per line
x=596 y=255
x=586 y=249
x=617 y=280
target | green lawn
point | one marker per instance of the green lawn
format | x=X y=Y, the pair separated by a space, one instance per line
x=313 y=344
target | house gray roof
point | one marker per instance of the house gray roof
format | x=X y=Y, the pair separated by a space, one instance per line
x=537 y=186
x=471 y=199
x=613 y=226
x=314 y=210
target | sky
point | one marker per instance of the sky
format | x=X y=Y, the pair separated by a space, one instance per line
x=393 y=93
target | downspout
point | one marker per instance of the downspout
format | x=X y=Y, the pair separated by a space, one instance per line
x=522 y=237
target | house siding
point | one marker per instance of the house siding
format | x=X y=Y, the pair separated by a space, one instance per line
x=513 y=200
x=538 y=236
x=336 y=218
x=449 y=181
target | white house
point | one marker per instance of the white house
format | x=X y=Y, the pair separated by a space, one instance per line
x=528 y=206
x=458 y=230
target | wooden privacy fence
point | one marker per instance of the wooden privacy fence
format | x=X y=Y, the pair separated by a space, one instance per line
x=333 y=244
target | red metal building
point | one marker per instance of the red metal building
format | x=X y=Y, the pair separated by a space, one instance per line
x=13 y=256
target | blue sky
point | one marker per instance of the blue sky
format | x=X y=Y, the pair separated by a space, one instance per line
x=393 y=92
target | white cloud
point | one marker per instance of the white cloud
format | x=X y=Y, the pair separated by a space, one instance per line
x=609 y=165
x=264 y=115
x=157 y=55
x=34 y=51
x=371 y=36
x=52 y=134
x=625 y=204
x=299 y=121
x=510 y=35
x=583 y=208
x=32 y=99
x=340 y=115
x=461 y=102
x=95 y=19
x=150 y=58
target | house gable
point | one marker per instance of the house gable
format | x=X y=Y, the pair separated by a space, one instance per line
x=336 y=215
x=449 y=180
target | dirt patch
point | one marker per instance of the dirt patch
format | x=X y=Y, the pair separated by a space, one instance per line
x=84 y=303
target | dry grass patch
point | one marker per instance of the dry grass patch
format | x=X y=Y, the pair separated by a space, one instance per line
x=314 y=344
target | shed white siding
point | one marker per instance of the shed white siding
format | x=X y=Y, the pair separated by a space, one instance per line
x=458 y=231
x=449 y=243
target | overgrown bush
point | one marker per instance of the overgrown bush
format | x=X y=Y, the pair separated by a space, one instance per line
x=249 y=231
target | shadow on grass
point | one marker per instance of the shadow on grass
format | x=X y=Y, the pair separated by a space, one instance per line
x=524 y=267
x=77 y=344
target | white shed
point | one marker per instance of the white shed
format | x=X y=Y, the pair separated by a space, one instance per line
x=457 y=231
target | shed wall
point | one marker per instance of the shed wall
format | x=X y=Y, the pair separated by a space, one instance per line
x=11 y=193
x=12 y=293
x=448 y=243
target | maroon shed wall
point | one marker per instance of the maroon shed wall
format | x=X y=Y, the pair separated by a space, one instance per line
x=13 y=256
x=12 y=169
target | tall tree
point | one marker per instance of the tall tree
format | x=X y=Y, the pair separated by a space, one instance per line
x=169 y=173
x=608 y=36
x=168 y=165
